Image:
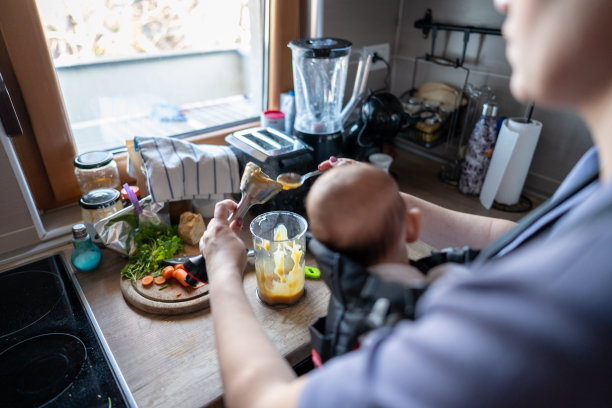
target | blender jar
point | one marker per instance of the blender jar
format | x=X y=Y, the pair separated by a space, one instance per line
x=320 y=67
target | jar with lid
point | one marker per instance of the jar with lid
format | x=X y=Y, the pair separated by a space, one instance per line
x=96 y=170
x=98 y=204
x=85 y=257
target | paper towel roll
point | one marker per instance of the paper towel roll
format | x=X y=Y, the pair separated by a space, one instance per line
x=510 y=163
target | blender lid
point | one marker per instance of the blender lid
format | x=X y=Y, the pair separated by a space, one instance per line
x=322 y=47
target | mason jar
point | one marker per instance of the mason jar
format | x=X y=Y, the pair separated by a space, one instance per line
x=96 y=170
x=98 y=204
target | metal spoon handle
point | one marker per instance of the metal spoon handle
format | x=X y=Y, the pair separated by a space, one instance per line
x=312 y=173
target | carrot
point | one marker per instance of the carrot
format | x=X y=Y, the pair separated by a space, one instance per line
x=178 y=294
x=179 y=266
x=147 y=280
x=160 y=280
x=167 y=272
x=180 y=275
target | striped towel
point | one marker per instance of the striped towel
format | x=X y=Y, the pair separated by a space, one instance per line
x=180 y=170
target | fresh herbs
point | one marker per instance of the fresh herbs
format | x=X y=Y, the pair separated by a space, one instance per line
x=162 y=287
x=153 y=243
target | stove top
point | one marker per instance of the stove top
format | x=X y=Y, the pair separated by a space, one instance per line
x=52 y=352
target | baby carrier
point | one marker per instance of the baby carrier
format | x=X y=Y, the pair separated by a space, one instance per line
x=359 y=302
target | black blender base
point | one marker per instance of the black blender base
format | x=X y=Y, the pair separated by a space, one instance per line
x=323 y=146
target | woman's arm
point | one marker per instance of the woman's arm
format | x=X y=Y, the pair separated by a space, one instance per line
x=443 y=228
x=254 y=374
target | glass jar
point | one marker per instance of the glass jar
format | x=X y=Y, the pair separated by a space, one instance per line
x=85 y=256
x=96 y=170
x=279 y=240
x=98 y=204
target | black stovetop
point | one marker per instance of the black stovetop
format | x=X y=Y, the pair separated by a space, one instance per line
x=52 y=353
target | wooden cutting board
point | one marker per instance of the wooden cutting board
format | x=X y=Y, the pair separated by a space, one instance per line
x=173 y=300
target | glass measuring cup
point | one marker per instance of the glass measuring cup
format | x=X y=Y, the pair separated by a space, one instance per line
x=279 y=241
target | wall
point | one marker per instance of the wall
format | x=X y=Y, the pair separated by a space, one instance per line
x=564 y=137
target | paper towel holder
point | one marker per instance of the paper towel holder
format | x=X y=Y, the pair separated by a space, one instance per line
x=527 y=119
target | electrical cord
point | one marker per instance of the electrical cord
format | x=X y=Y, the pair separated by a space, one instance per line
x=375 y=59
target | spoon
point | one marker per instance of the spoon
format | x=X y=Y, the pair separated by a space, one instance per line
x=294 y=180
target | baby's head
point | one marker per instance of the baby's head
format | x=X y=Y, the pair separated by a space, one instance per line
x=356 y=209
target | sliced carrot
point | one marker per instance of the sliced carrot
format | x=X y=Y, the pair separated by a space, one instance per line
x=180 y=275
x=160 y=280
x=147 y=280
x=167 y=272
x=178 y=294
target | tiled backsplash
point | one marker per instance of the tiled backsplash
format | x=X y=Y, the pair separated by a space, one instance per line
x=564 y=137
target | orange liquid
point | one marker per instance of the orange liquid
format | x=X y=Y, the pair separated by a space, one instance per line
x=288 y=183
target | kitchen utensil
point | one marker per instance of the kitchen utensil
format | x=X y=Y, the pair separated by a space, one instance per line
x=256 y=188
x=173 y=299
x=319 y=76
x=195 y=266
x=294 y=180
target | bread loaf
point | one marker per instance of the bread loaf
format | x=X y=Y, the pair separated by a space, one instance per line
x=191 y=227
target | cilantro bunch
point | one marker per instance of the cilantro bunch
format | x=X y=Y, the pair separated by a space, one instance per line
x=154 y=243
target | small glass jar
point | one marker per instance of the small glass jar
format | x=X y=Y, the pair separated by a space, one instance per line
x=96 y=170
x=99 y=203
x=85 y=257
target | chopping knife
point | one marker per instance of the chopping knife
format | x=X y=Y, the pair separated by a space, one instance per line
x=195 y=266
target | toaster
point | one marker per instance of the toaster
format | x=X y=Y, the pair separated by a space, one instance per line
x=275 y=152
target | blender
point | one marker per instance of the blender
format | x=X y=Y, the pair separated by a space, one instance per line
x=320 y=68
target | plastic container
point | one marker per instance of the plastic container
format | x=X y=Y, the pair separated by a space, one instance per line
x=381 y=160
x=95 y=170
x=85 y=257
x=98 y=204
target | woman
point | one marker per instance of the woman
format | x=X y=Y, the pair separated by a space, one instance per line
x=527 y=326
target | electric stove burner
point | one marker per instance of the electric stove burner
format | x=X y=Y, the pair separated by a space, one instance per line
x=30 y=296
x=39 y=369
x=52 y=351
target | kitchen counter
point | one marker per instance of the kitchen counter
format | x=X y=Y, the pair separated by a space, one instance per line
x=171 y=360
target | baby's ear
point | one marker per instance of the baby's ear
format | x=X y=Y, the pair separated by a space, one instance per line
x=413 y=224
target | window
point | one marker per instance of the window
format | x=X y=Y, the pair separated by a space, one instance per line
x=51 y=127
x=154 y=67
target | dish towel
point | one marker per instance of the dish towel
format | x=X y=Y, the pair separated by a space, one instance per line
x=180 y=170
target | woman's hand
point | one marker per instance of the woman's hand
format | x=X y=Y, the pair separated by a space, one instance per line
x=220 y=244
x=334 y=162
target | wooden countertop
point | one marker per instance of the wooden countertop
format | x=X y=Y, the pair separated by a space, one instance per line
x=171 y=360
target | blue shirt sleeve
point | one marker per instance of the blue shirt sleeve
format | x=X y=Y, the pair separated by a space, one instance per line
x=530 y=329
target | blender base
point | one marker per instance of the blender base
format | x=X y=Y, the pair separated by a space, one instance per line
x=324 y=146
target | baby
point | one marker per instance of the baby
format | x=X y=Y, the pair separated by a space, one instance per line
x=357 y=210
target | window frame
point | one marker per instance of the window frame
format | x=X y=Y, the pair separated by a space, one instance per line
x=46 y=147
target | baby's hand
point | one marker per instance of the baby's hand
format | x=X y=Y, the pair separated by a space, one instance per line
x=334 y=162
